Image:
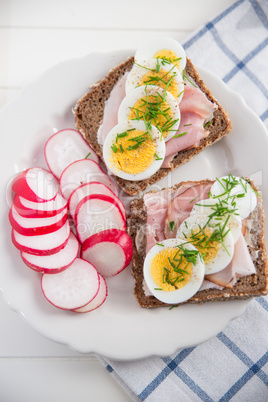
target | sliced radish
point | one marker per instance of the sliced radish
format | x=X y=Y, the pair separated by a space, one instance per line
x=98 y=300
x=38 y=209
x=72 y=288
x=53 y=263
x=65 y=147
x=36 y=226
x=95 y=213
x=90 y=189
x=35 y=184
x=45 y=244
x=83 y=171
x=110 y=251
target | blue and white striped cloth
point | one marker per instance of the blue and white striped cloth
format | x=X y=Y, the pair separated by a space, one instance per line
x=234 y=364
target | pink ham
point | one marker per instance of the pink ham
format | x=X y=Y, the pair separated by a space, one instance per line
x=181 y=206
x=240 y=265
x=111 y=109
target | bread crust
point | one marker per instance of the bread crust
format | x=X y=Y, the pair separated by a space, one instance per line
x=245 y=287
x=89 y=112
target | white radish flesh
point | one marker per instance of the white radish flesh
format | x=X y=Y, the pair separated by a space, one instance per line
x=90 y=189
x=42 y=244
x=36 y=226
x=38 y=209
x=53 y=263
x=110 y=251
x=95 y=213
x=83 y=171
x=36 y=184
x=65 y=147
x=72 y=288
x=98 y=300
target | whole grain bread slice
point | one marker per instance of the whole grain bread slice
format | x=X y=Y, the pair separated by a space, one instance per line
x=89 y=112
x=245 y=287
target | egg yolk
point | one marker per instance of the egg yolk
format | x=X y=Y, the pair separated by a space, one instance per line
x=168 y=55
x=162 y=79
x=170 y=269
x=133 y=152
x=208 y=248
x=155 y=110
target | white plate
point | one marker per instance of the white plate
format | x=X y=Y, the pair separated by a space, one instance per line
x=120 y=329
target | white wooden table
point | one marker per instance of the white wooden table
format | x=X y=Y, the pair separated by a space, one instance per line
x=35 y=35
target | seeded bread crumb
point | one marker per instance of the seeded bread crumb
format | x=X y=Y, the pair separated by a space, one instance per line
x=89 y=112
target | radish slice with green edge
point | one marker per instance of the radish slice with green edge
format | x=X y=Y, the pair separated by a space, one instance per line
x=31 y=209
x=72 y=288
x=90 y=189
x=44 y=244
x=65 y=147
x=98 y=300
x=83 y=171
x=36 y=226
x=54 y=263
x=36 y=184
x=110 y=251
x=95 y=213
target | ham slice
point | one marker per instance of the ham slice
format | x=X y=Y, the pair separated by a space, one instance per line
x=181 y=206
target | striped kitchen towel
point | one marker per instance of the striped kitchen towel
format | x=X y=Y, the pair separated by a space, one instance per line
x=234 y=364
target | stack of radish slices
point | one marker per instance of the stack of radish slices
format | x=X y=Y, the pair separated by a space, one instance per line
x=69 y=224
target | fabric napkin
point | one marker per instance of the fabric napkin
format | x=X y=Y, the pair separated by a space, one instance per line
x=234 y=364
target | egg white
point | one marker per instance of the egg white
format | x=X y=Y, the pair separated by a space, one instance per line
x=246 y=204
x=111 y=138
x=226 y=250
x=161 y=43
x=205 y=207
x=179 y=295
x=139 y=70
x=141 y=92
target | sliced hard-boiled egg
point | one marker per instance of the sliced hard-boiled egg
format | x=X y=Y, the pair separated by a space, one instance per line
x=237 y=191
x=156 y=72
x=133 y=151
x=173 y=271
x=212 y=238
x=163 y=48
x=153 y=105
x=222 y=212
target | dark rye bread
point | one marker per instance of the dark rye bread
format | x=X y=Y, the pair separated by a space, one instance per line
x=245 y=287
x=89 y=111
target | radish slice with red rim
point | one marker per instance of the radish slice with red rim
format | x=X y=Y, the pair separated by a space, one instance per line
x=72 y=288
x=36 y=184
x=64 y=147
x=53 y=263
x=36 y=226
x=44 y=244
x=32 y=209
x=98 y=300
x=110 y=251
x=83 y=171
x=95 y=213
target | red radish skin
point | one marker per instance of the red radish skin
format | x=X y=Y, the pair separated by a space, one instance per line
x=72 y=288
x=96 y=213
x=110 y=251
x=83 y=171
x=98 y=300
x=54 y=263
x=64 y=147
x=90 y=189
x=39 y=209
x=45 y=244
x=36 y=226
x=35 y=184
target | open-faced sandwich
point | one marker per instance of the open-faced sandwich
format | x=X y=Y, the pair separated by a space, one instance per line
x=198 y=242
x=149 y=115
